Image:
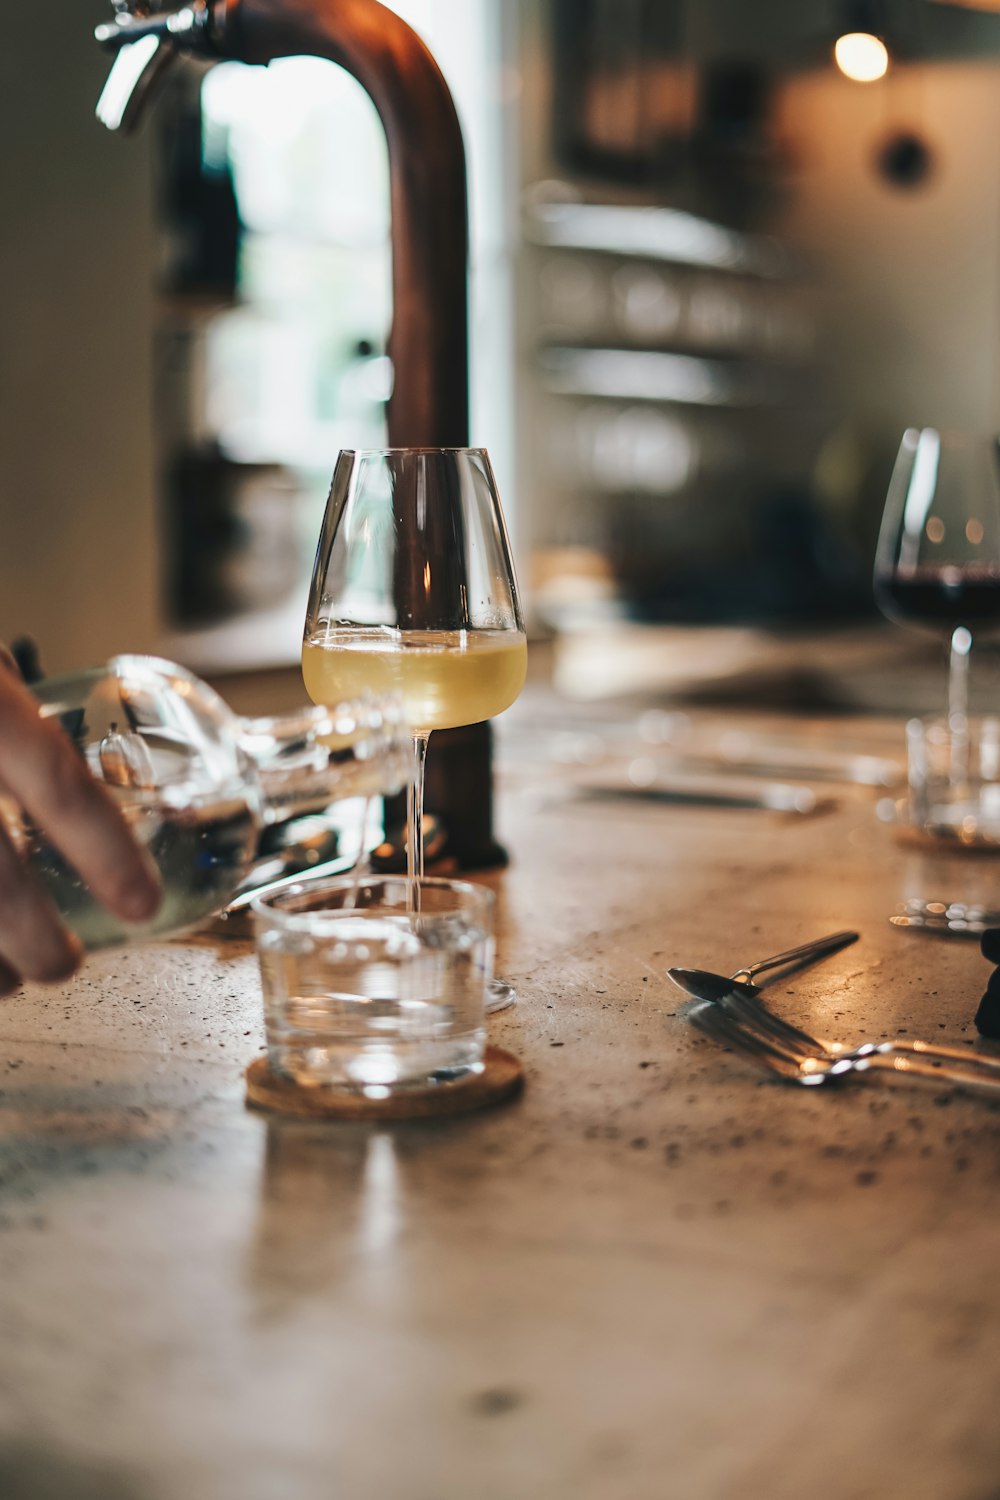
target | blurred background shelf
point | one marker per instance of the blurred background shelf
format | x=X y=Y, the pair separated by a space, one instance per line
x=712 y=281
x=653 y=233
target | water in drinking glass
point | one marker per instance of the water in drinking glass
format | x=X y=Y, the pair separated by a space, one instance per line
x=361 y=993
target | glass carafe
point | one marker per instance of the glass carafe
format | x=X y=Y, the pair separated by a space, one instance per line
x=198 y=784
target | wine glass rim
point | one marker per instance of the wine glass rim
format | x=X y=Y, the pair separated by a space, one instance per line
x=384 y=452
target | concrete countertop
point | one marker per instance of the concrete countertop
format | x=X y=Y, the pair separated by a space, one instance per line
x=657 y=1274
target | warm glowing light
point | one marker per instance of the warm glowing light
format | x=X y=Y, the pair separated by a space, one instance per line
x=861 y=56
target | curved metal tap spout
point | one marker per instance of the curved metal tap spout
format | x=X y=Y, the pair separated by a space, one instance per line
x=428 y=344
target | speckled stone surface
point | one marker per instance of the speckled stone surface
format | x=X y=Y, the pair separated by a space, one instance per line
x=655 y=1274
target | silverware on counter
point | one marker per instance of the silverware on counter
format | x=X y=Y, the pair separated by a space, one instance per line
x=739 y=995
x=733 y=1012
x=645 y=781
x=950 y=918
x=723 y=1027
x=308 y=848
x=343 y=865
x=742 y=755
x=677 y=747
x=795 y=958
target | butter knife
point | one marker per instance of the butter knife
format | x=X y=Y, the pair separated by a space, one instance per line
x=704 y=791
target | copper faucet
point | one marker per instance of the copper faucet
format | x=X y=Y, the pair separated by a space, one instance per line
x=428 y=341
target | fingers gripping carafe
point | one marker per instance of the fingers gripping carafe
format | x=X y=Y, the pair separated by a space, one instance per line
x=198 y=785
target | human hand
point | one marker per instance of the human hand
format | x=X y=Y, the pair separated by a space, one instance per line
x=42 y=772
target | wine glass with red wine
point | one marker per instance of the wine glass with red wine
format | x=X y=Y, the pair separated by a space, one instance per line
x=937 y=565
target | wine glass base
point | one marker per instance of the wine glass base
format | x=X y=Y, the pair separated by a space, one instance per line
x=499 y=995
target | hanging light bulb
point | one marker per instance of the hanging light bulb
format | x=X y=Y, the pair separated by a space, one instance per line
x=861 y=56
x=859 y=51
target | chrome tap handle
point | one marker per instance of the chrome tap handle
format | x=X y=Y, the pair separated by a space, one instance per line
x=145 y=43
x=185 y=27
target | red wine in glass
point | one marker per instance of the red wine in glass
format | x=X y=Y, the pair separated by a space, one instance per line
x=937 y=565
x=941 y=598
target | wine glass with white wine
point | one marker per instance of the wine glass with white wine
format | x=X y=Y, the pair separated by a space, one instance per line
x=413 y=591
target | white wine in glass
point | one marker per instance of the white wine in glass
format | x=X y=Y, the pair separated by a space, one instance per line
x=414 y=589
x=446 y=678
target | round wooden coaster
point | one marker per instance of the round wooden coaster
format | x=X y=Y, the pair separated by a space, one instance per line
x=502 y=1077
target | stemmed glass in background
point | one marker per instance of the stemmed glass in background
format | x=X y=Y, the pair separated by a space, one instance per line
x=937 y=565
x=413 y=590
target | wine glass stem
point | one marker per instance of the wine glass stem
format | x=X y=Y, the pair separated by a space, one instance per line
x=958 y=702
x=415 y=810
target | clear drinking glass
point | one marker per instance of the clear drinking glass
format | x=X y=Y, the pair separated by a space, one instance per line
x=362 y=992
x=966 y=813
x=413 y=591
x=937 y=565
